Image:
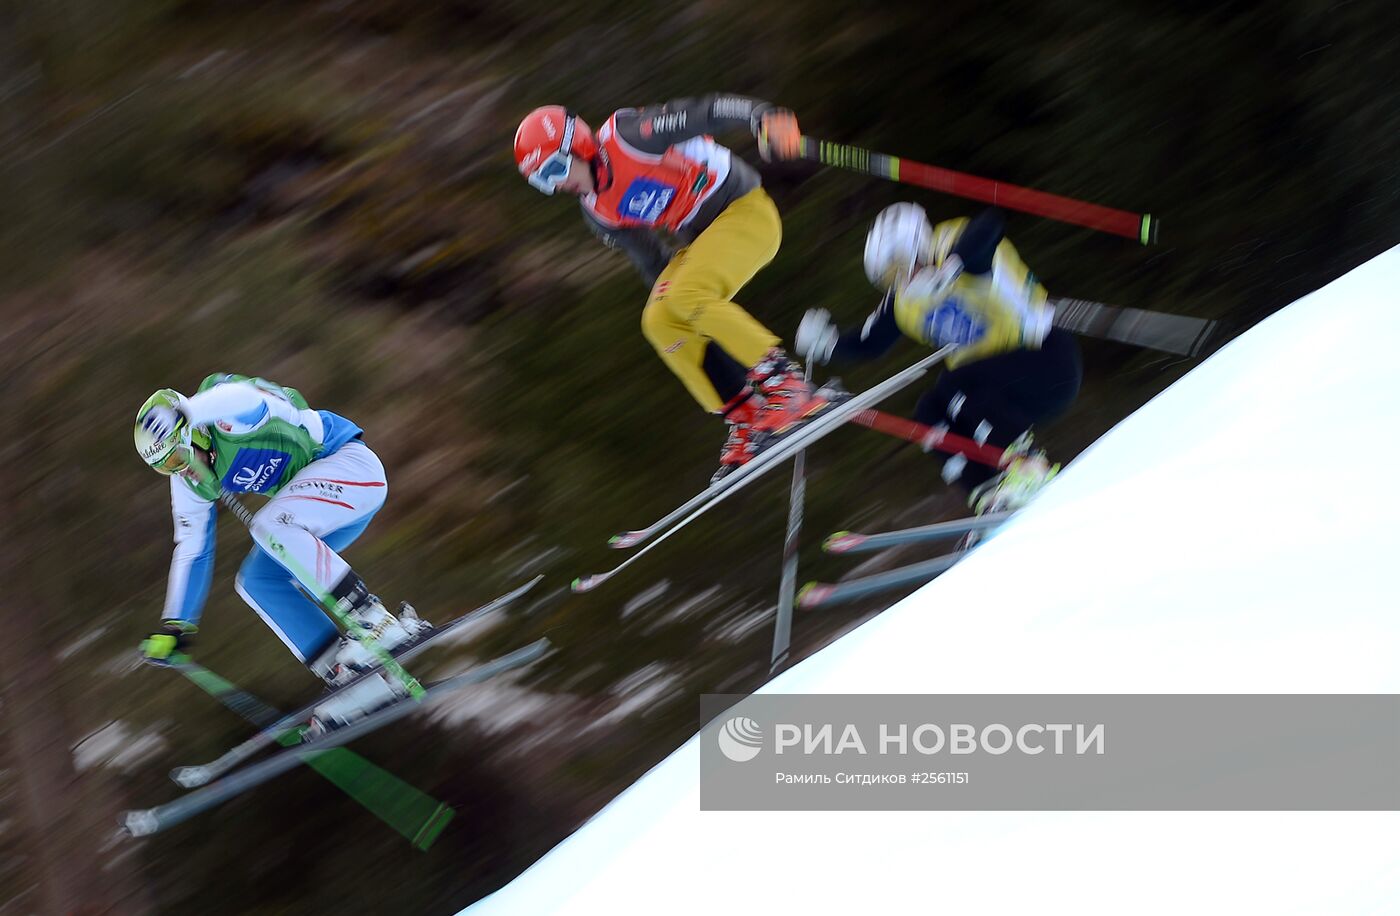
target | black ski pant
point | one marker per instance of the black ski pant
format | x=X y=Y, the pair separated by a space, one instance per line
x=1008 y=393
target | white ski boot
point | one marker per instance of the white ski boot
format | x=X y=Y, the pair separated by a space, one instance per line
x=349 y=657
x=370 y=621
x=371 y=694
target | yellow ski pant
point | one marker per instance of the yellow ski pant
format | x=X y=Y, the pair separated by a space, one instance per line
x=690 y=305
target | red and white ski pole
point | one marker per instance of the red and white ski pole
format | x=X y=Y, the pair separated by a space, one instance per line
x=931 y=437
x=1140 y=226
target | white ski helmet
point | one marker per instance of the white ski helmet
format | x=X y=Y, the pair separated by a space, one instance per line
x=163 y=437
x=898 y=243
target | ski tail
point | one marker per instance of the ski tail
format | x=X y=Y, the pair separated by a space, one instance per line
x=194 y=776
x=413 y=813
x=1179 y=334
x=153 y=820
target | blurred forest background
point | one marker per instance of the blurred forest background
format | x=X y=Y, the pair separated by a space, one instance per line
x=323 y=193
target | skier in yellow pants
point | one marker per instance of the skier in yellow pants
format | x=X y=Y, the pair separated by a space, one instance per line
x=655 y=169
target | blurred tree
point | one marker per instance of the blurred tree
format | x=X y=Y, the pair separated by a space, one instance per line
x=65 y=819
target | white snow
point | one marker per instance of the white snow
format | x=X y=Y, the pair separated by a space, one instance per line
x=1234 y=535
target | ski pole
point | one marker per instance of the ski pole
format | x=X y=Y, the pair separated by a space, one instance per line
x=1140 y=226
x=930 y=437
x=787 y=584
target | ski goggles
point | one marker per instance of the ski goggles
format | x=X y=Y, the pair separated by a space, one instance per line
x=176 y=462
x=555 y=168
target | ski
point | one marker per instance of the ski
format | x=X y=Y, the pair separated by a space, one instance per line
x=852 y=542
x=153 y=820
x=1179 y=334
x=200 y=774
x=416 y=815
x=815 y=595
x=765 y=461
x=785 y=447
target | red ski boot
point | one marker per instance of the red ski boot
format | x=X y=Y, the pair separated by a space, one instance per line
x=740 y=413
x=790 y=400
x=777 y=401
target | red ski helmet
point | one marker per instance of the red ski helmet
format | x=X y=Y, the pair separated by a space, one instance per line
x=546 y=142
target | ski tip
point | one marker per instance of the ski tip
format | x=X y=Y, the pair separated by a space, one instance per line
x=140 y=823
x=842 y=541
x=191 y=777
x=812 y=595
x=537 y=649
x=625 y=539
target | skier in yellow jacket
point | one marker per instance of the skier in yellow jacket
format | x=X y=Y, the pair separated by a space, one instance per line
x=962 y=282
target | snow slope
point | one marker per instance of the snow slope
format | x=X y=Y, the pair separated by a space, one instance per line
x=1234 y=535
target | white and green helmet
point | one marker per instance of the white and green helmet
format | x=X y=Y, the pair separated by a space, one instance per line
x=164 y=439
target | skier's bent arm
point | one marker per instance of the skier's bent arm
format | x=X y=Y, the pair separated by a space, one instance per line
x=819 y=340
x=873 y=339
x=977 y=243
x=656 y=127
x=191 y=568
x=243 y=407
x=228 y=401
